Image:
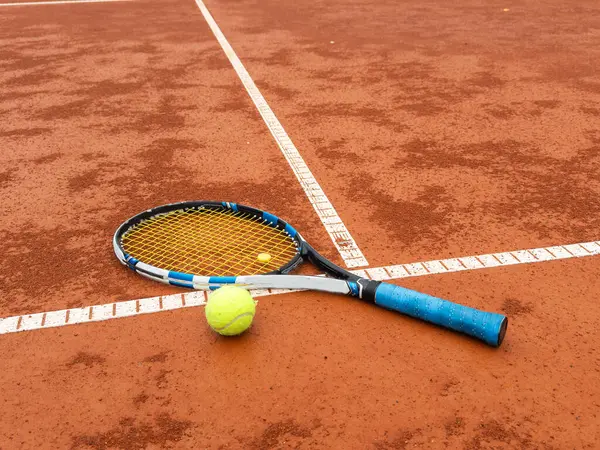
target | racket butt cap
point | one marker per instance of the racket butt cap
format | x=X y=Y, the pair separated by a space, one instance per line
x=502 y=331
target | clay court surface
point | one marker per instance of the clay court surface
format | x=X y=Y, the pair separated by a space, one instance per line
x=437 y=130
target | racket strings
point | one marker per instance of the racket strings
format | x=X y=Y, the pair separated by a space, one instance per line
x=209 y=242
x=240 y=235
x=214 y=254
x=213 y=249
x=261 y=239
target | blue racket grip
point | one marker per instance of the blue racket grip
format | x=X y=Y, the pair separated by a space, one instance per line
x=486 y=326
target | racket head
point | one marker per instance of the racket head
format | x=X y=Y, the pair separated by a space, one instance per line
x=189 y=243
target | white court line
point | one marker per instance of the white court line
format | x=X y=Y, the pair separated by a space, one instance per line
x=338 y=232
x=61 y=2
x=197 y=298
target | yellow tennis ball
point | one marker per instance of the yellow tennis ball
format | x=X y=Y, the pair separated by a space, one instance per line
x=264 y=257
x=230 y=310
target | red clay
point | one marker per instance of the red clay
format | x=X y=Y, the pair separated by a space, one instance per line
x=113 y=128
x=320 y=371
x=456 y=128
x=435 y=130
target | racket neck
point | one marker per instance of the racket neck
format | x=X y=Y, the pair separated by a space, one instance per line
x=359 y=287
x=327 y=266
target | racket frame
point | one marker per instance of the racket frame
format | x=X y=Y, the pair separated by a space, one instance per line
x=488 y=327
x=275 y=279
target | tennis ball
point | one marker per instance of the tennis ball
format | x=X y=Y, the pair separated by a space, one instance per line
x=230 y=310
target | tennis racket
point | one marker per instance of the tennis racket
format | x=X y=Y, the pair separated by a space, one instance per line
x=205 y=245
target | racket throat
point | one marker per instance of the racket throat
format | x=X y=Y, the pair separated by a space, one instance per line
x=363 y=289
x=357 y=287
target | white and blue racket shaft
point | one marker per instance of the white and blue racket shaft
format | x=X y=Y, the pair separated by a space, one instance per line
x=488 y=327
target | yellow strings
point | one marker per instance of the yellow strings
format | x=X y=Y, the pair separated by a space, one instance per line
x=209 y=242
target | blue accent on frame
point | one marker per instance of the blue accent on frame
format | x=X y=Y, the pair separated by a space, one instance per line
x=131 y=262
x=353 y=288
x=181 y=276
x=177 y=283
x=480 y=324
x=270 y=218
x=222 y=280
x=232 y=206
x=290 y=230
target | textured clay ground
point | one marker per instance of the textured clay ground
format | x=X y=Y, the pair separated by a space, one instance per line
x=436 y=130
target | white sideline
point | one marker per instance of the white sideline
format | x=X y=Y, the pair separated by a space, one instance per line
x=130 y=308
x=341 y=237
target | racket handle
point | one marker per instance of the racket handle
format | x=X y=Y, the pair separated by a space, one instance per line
x=486 y=326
